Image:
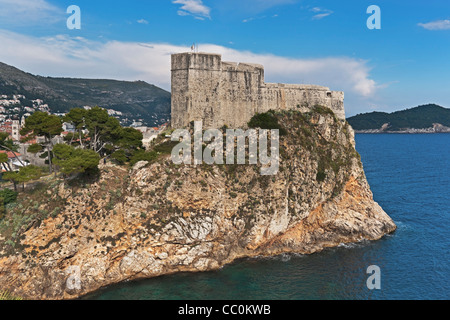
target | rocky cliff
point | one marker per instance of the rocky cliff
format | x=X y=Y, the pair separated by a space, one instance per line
x=159 y=218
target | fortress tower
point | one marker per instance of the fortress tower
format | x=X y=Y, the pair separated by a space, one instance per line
x=228 y=93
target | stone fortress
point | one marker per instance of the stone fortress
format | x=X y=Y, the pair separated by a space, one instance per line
x=228 y=93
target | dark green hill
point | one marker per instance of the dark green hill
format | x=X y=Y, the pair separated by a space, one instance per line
x=135 y=99
x=421 y=117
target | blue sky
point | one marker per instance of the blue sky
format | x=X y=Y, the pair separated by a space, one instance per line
x=403 y=65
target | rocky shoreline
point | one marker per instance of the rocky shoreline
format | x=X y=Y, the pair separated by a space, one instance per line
x=437 y=128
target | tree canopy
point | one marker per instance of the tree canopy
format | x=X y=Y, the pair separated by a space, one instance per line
x=41 y=124
x=97 y=134
x=104 y=134
x=25 y=174
x=72 y=160
x=6 y=143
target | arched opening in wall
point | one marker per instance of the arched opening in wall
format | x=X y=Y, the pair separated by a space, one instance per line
x=329 y=94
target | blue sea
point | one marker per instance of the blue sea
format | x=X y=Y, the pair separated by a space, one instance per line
x=410 y=178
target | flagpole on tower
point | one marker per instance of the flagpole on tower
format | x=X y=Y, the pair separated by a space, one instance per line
x=194 y=48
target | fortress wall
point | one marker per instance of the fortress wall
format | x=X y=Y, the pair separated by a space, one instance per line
x=301 y=97
x=230 y=93
x=195 y=88
x=239 y=96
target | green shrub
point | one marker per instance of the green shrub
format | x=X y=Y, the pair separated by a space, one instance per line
x=323 y=110
x=165 y=147
x=120 y=156
x=2 y=208
x=267 y=121
x=8 y=196
x=142 y=155
x=55 y=212
x=321 y=175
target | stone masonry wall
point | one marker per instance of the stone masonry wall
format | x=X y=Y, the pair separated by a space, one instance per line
x=229 y=93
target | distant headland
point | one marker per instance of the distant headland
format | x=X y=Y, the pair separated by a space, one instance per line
x=429 y=118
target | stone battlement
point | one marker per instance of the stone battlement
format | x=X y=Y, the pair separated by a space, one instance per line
x=229 y=93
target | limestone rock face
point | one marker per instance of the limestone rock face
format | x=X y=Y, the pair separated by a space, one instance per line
x=161 y=218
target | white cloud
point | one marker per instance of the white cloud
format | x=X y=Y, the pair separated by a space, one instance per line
x=320 y=13
x=64 y=56
x=338 y=73
x=252 y=19
x=436 y=25
x=195 y=8
x=259 y=18
x=29 y=12
x=142 y=21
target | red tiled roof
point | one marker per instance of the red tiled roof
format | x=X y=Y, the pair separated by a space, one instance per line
x=10 y=154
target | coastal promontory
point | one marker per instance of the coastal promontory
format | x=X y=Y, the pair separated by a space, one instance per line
x=67 y=238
